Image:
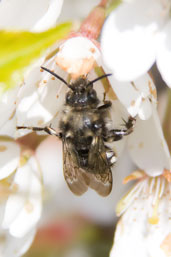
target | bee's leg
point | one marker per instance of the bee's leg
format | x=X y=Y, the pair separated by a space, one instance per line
x=104 y=97
x=111 y=157
x=48 y=130
x=106 y=105
x=118 y=134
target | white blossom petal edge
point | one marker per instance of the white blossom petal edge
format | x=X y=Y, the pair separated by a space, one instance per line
x=29 y=15
x=50 y=17
x=10 y=156
x=16 y=247
x=23 y=207
x=8 y=106
x=138 y=97
x=147 y=146
x=134 y=36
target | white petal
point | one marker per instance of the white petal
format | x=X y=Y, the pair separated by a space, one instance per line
x=22 y=14
x=145 y=110
x=41 y=97
x=49 y=154
x=77 y=56
x=136 y=236
x=16 y=247
x=10 y=156
x=128 y=38
x=23 y=208
x=8 y=106
x=164 y=54
x=50 y=17
x=148 y=147
x=76 y=9
x=127 y=94
x=9 y=127
x=138 y=97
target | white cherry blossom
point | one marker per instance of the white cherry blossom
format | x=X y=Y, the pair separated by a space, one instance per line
x=23 y=207
x=8 y=107
x=21 y=198
x=12 y=246
x=147 y=146
x=139 y=96
x=41 y=97
x=31 y=15
x=15 y=247
x=145 y=226
x=135 y=35
x=10 y=156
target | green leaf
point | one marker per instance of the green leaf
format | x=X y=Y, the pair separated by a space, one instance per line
x=18 y=49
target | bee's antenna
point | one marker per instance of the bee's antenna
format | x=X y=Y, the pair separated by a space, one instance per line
x=99 y=78
x=55 y=75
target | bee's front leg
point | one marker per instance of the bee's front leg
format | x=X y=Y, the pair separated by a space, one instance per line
x=47 y=129
x=118 y=134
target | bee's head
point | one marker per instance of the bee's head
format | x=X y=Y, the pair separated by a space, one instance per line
x=81 y=92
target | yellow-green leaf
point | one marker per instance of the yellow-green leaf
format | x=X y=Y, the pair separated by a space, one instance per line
x=19 y=48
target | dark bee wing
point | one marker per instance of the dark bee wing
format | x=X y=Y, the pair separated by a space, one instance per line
x=100 y=176
x=97 y=159
x=101 y=183
x=72 y=172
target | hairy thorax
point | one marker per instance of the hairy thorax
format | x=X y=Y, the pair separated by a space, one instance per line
x=85 y=122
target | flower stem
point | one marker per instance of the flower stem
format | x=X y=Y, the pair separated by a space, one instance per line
x=112 y=5
x=92 y=25
x=103 y=3
x=167 y=121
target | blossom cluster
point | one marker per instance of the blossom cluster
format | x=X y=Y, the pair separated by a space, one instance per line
x=134 y=36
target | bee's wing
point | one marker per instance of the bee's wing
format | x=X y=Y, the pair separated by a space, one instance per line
x=97 y=159
x=100 y=176
x=74 y=175
x=101 y=183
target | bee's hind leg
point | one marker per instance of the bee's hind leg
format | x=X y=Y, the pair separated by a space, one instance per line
x=46 y=129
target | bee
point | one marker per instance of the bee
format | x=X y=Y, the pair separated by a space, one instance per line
x=84 y=131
